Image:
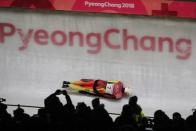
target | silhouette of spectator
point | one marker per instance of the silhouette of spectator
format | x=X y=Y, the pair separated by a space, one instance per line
x=83 y=117
x=190 y=122
x=60 y=114
x=42 y=115
x=3 y=112
x=136 y=110
x=40 y=121
x=126 y=118
x=178 y=123
x=21 y=119
x=161 y=121
x=54 y=106
x=5 y=117
x=100 y=117
x=20 y=115
x=68 y=113
x=68 y=107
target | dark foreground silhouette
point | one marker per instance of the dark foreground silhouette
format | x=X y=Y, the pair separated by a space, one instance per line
x=58 y=117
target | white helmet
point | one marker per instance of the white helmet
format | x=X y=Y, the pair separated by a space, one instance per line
x=127 y=91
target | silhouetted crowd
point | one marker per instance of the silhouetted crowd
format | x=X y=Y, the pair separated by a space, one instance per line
x=58 y=117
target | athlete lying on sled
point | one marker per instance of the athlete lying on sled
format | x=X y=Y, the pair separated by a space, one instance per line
x=108 y=89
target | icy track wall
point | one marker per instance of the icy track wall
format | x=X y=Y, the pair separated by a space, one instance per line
x=154 y=57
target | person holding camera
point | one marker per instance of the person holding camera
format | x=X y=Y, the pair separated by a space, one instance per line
x=54 y=107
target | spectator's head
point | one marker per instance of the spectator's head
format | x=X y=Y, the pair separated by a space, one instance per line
x=176 y=116
x=53 y=100
x=133 y=100
x=18 y=112
x=53 y=103
x=159 y=114
x=95 y=103
x=81 y=106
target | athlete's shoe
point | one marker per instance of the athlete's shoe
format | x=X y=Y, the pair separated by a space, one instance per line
x=65 y=84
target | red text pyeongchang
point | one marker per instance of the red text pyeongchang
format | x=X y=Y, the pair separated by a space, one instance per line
x=180 y=47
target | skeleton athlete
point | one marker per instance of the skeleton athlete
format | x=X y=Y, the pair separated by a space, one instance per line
x=113 y=89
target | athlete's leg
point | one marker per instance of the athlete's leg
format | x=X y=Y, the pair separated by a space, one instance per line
x=83 y=83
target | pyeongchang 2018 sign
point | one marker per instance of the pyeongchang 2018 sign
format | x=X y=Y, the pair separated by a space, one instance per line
x=174 y=8
x=182 y=46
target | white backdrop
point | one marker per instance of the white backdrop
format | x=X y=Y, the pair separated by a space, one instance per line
x=159 y=79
